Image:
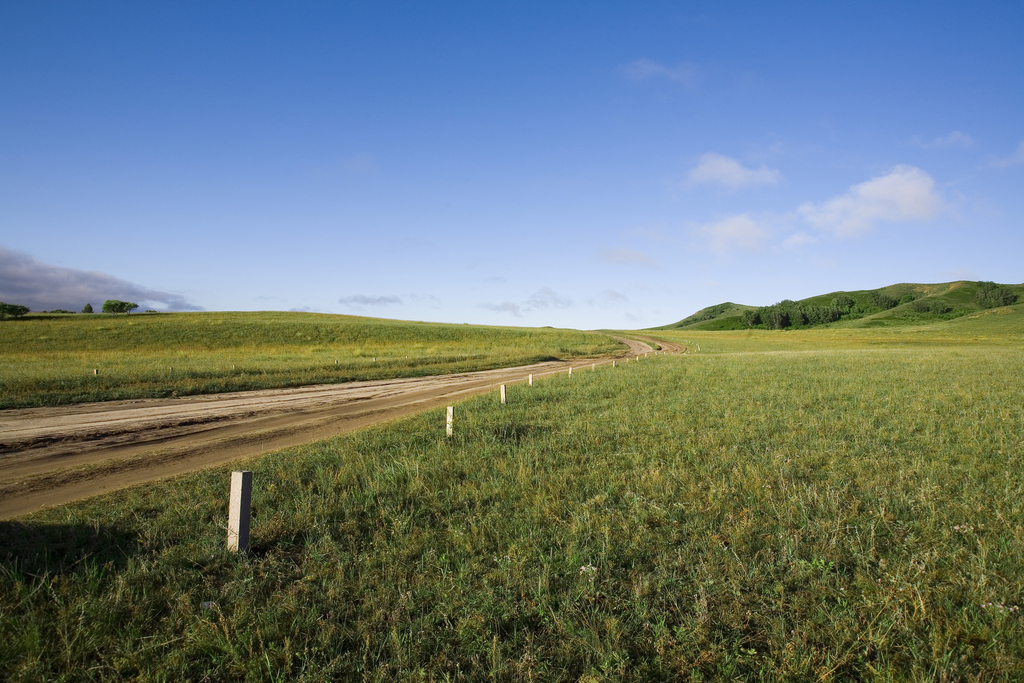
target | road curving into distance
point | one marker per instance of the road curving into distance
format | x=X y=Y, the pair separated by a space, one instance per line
x=52 y=456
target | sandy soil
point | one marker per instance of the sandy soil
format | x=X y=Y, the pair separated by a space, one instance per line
x=52 y=456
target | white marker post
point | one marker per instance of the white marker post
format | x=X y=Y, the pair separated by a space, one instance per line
x=570 y=371
x=530 y=380
x=593 y=366
x=450 y=422
x=239 y=507
x=502 y=394
x=95 y=371
x=613 y=364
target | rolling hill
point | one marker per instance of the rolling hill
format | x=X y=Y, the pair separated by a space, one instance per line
x=895 y=305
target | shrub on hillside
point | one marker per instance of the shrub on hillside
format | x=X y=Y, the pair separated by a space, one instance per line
x=883 y=301
x=991 y=295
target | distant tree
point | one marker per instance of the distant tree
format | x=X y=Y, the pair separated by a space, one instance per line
x=116 y=306
x=991 y=295
x=87 y=308
x=883 y=301
x=12 y=310
x=843 y=303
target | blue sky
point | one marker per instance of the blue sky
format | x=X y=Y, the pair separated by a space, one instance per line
x=570 y=164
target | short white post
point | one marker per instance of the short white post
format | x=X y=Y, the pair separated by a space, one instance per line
x=530 y=380
x=503 y=394
x=593 y=366
x=613 y=364
x=570 y=371
x=95 y=371
x=638 y=357
x=239 y=510
x=450 y=422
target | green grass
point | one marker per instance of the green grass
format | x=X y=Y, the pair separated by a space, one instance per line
x=795 y=506
x=956 y=298
x=50 y=360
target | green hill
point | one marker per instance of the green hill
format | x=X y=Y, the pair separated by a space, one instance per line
x=895 y=305
x=54 y=359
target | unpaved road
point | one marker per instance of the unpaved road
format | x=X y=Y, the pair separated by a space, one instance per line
x=52 y=456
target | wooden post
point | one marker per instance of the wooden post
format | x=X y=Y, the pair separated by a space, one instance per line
x=239 y=510
x=530 y=380
x=502 y=394
x=450 y=422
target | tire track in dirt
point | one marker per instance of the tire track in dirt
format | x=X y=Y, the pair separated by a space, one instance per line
x=52 y=456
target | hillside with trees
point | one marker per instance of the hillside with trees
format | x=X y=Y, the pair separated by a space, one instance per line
x=901 y=304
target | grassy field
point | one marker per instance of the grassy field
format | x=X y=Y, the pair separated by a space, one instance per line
x=781 y=506
x=50 y=360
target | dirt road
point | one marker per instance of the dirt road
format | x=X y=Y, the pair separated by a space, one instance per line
x=51 y=456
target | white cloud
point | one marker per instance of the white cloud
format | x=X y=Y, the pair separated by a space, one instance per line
x=798 y=239
x=543 y=298
x=953 y=139
x=728 y=172
x=626 y=257
x=607 y=298
x=28 y=281
x=546 y=297
x=505 y=307
x=1016 y=158
x=740 y=232
x=685 y=73
x=905 y=194
x=357 y=300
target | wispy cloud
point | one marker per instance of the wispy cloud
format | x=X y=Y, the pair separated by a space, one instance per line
x=546 y=297
x=543 y=298
x=798 y=239
x=687 y=74
x=727 y=172
x=505 y=307
x=953 y=139
x=1016 y=158
x=652 y=234
x=735 y=233
x=904 y=194
x=28 y=281
x=607 y=298
x=626 y=257
x=358 y=300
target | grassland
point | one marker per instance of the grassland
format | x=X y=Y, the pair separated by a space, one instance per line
x=781 y=506
x=908 y=305
x=50 y=360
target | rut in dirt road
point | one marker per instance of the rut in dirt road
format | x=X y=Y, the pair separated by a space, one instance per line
x=51 y=456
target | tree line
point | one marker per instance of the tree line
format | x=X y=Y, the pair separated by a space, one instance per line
x=109 y=306
x=788 y=313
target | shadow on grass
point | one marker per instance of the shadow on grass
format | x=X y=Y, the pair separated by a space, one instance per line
x=38 y=549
